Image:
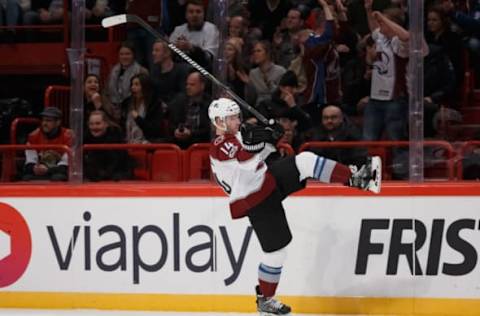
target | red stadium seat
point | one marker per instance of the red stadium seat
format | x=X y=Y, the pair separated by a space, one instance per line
x=59 y=96
x=12 y=161
x=167 y=164
x=141 y=159
x=19 y=123
x=197 y=162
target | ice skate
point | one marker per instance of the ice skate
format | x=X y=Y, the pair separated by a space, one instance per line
x=369 y=176
x=270 y=306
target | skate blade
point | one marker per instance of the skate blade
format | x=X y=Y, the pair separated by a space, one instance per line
x=376 y=183
x=271 y=314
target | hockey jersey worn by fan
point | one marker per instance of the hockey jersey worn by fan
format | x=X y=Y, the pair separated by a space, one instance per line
x=241 y=174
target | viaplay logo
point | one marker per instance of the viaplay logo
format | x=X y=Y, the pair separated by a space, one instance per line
x=15 y=245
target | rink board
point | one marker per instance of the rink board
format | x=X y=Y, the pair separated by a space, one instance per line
x=175 y=248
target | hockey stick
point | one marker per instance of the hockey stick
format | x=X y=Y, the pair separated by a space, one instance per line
x=124 y=18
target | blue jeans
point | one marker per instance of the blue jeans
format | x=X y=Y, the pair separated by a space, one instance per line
x=385 y=116
x=390 y=117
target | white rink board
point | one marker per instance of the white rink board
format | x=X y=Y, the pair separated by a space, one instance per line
x=321 y=261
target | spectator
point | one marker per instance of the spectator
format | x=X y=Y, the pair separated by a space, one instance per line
x=168 y=76
x=335 y=127
x=357 y=14
x=122 y=73
x=237 y=77
x=316 y=47
x=439 y=85
x=356 y=75
x=238 y=29
x=387 y=107
x=264 y=78
x=97 y=10
x=116 y=6
x=10 y=15
x=95 y=99
x=440 y=34
x=101 y=165
x=48 y=164
x=267 y=15
x=284 y=40
x=235 y=8
x=198 y=38
x=285 y=104
x=176 y=13
x=152 y=13
x=142 y=113
x=189 y=113
x=44 y=12
x=297 y=65
x=471 y=25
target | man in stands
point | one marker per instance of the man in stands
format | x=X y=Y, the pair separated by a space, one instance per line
x=44 y=12
x=48 y=164
x=189 y=113
x=335 y=127
x=197 y=38
x=168 y=76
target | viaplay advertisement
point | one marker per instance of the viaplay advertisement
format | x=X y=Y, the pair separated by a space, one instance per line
x=342 y=247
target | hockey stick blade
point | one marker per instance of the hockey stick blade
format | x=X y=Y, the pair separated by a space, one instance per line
x=124 y=18
x=114 y=20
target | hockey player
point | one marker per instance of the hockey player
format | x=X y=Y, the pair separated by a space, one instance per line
x=237 y=157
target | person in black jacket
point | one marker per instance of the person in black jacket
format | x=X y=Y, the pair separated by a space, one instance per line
x=188 y=112
x=143 y=114
x=335 y=127
x=439 y=84
x=285 y=104
x=100 y=165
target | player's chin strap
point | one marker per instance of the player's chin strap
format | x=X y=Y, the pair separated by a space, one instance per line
x=220 y=127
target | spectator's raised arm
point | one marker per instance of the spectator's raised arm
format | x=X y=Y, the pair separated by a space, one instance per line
x=372 y=22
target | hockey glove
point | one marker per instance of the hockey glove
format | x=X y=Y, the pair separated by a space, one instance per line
x=255 y=137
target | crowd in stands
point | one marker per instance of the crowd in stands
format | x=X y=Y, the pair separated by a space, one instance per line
x=327 y=70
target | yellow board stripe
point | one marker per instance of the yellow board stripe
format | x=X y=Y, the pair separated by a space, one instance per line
x=238 y=303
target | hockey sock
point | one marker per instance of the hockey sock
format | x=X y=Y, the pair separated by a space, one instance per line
x=268 y=278
x=323 y=169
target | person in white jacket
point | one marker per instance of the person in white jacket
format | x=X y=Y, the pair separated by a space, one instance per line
x=237 y=157
x=197 y=38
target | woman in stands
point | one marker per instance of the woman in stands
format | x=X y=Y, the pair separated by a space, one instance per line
x=142 y=113
x=96 y=100
x=266 y=76
x=439 y=33
x=122 y=73
x=105 y=164
x=237 y=70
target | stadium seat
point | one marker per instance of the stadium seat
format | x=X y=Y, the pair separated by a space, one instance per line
x=21 y=127
x=141 y=159
x=167 y=164
x=59 y=96
x=197 y=162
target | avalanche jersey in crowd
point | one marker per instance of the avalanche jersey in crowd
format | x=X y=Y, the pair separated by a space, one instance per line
x=241 y=174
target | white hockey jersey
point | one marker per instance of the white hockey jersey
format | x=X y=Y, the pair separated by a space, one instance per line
x=241 y=174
